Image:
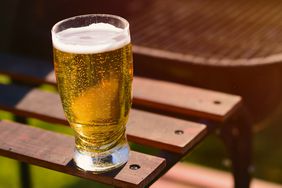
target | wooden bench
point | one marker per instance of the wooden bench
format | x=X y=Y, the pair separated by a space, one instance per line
x=227 y=46
x=169 y=117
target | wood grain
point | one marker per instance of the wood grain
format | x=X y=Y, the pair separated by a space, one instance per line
x=189 y=101
x=143 y=127
x=159 y=96
x=54 y=151
x=164 y=132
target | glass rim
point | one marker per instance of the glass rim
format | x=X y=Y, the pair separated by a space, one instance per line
x=89 y=15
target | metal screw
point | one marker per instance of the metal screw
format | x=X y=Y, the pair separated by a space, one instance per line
x=179 y=132
x=217 y=102
x=134 y=167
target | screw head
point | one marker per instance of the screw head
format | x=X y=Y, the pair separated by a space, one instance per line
x=179 y=132
x=217 y=102
x=134 y=167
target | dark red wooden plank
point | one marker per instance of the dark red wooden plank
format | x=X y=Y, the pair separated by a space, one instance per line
x=164 y=132
x=54 y=151
x=185 y=100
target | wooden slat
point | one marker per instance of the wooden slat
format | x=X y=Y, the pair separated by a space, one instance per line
x=185 y=100
x=54 y=151
x=157 y=95
x=164 y=132
x=143 y=127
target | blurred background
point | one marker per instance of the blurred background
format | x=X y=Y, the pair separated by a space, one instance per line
x=185 y=27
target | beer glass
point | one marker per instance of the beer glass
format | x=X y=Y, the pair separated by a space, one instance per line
x=94 y=72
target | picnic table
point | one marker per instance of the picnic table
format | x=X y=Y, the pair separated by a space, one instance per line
x=170 y=117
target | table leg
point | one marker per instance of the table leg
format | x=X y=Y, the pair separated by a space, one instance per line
x=25 y=175
x=24 y=168
x=237 y=136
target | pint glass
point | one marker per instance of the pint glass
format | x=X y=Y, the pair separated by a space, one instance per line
x=94 y=72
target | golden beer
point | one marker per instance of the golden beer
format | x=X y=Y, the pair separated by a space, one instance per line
x=94 y=72
x=96 y=95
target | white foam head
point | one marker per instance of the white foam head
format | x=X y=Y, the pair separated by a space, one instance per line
x=95 y=38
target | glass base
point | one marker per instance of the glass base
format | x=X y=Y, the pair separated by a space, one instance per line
x=102 y=162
